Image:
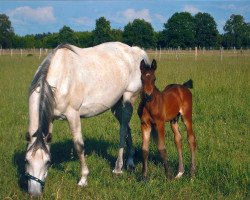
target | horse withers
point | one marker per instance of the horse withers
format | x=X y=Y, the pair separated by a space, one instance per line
x=72 y=83
x=158 y=107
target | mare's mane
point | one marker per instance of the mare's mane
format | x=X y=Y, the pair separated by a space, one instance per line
x=47 y=100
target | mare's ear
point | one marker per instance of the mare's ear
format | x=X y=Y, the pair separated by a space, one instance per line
x=48 y=138
x=153 y=64
x=142 y=65
x=28 y=137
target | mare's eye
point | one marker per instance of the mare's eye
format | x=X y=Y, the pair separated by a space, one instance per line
x=26 y=162
x=48 y=162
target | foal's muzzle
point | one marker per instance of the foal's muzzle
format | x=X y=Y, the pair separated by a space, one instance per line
x=147 y=97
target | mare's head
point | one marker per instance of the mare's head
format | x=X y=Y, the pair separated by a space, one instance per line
x=148 y=78
x=37 y=162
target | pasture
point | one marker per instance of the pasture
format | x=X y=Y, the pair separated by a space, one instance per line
x=221 y=102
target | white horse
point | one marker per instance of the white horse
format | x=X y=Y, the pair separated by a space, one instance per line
x=72 y=83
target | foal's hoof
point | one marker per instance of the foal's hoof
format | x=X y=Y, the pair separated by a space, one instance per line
x=144 y=179
x=179 y=175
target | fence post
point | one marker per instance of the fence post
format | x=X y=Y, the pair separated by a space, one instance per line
x=155 y=52
x=221 y=53
x=40 y=53
x=11 y=52
x=196 y=52
x=160 y=54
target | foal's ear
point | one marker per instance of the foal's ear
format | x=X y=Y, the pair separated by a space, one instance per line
x=142 y=65
x=48 y=138
x=153 y=64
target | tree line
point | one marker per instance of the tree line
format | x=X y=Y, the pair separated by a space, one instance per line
x=182 y=30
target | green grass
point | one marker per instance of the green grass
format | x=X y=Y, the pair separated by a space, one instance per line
x=221 y=101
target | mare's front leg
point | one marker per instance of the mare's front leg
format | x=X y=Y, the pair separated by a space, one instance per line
x=162 y=149
x=75 y=126
x=123 y=113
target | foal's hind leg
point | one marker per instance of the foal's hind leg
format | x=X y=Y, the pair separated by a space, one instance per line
x=162 y=149
x=187 y=120
x=178 y=143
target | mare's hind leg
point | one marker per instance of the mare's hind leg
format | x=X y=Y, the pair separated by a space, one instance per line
x=178 y=143
x=123 y=112
x=75 y=126
x=187 y=120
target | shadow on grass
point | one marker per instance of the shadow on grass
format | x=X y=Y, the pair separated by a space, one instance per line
x=62 y=152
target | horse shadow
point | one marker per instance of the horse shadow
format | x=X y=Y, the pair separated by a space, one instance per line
x=63 y=152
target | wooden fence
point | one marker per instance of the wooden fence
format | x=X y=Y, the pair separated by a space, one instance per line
x=156 y=53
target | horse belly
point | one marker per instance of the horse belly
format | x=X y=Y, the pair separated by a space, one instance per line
x=97 y=102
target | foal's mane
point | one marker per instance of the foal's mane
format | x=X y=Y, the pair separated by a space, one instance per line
x=47 y=100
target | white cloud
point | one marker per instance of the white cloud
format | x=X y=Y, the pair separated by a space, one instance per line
x=83 y=21
x=160 y=18
x=131 y=14
x=40 y=15
x=191 y=9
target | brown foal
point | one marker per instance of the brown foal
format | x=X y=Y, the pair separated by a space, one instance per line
x=158 y=107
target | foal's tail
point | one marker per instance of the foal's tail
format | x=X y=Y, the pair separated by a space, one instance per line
x=189 y=84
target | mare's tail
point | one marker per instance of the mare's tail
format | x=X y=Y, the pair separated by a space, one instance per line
x=189 y=83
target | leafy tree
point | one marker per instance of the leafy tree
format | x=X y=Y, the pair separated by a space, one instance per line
x=66 y=35
x=206 y=30
x=102 y=31
x=84 y=39
x=237 y=32
x=116 y=35
x=51 y=40
x=139 y=33
x=6 y=31
x=179 y=30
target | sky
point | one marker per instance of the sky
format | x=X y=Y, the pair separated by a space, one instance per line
x=33 y=17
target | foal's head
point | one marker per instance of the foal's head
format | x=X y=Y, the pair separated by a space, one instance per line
x=37 y=162
x=148 y=78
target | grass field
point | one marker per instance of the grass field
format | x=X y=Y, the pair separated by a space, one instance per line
x=221 y=100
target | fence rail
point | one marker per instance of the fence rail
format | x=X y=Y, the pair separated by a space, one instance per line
x=156 y=53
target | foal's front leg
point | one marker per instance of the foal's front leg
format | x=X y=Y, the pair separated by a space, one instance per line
x=146 y=130
x=75 y=126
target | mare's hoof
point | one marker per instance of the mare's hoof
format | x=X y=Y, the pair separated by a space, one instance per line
x=83 y=182
x=131 y=168
x=117 y=172
x=130 y=165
